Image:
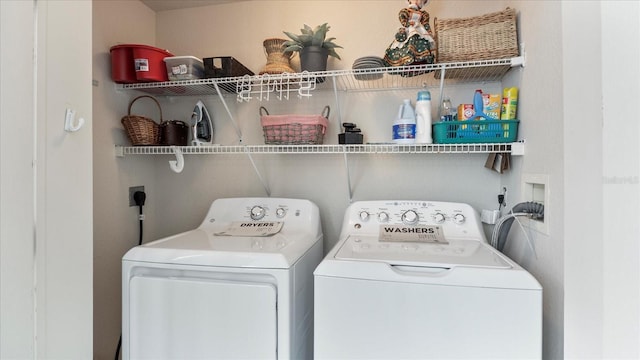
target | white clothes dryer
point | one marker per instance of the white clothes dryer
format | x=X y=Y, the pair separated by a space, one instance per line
x=418 y=280
x=240 y=286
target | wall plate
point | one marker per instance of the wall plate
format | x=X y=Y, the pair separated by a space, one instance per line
x=535 y=187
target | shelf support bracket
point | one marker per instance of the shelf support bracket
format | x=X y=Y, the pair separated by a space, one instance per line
x=255 y=168
x=177 y=165
x=443 y=74
x=346 y=165
x=233 y=121
x=338 y=110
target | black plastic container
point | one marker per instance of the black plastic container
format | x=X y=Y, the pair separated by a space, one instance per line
x=174 y=132
x=224 y=66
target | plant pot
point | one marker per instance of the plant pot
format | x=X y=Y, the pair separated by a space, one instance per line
x=314 y=58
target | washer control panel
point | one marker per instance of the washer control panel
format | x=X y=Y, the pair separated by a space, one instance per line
x=455 y=219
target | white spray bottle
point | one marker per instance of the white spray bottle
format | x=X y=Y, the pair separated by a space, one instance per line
x=423 y=118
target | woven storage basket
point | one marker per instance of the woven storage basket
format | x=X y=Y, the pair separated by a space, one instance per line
x=486 y=37
x=142 y=130
x=294 y=129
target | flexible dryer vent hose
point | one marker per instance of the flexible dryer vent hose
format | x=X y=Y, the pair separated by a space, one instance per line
x=532 y=209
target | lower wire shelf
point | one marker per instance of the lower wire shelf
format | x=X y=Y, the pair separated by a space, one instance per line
x=516 y=148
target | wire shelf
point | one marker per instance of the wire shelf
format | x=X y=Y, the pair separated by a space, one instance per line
x=512 y=148
x=300 y=85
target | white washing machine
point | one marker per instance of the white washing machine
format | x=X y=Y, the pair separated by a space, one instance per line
x=418 y=280
x=240 y=286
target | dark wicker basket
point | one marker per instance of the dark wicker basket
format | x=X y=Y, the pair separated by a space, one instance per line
x=141 y=130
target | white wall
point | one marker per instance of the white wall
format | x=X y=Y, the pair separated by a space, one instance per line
x=620 y=174
x=64 y=206
x=583 y=171
x=45 y=181
x=602 y=157
x=116 y=224
x=539 y=109
x=17 y=329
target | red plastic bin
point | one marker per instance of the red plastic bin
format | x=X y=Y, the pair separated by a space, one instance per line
x=132 y=63
x=122 y=69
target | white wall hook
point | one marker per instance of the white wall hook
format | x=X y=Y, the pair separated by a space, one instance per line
x=70 y=125
x=177 y=165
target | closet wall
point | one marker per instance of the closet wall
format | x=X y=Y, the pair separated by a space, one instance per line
x=178 y=202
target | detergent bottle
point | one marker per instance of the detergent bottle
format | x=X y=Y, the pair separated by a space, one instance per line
x=423 y=118
x=404 y=127
x=509 y=103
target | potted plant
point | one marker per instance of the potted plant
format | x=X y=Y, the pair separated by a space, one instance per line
x=313 y=46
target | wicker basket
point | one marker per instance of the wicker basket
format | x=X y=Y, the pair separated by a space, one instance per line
x=141 y=130
x=294 y=129
x=486 y=37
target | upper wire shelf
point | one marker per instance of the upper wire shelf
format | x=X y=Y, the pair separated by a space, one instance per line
x=516 y=148
x=300 y=85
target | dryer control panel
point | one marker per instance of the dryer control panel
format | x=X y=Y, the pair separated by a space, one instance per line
x=297 y=214
x=454 y=220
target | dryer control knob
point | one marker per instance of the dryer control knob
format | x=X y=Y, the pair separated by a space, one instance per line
x=281 y=212
x=439 y=218
x=410 y=217
x=364 y=215
x=459 y=219
x=383 y=217
x=257 y=212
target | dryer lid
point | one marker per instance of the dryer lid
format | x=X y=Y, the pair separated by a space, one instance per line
x=201 y=247
x=466 y=253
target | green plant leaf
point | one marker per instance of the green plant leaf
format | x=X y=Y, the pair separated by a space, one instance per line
x=330 y=45
x=293 y=37
x=311 y=37
x=318 y=38
x=307 y=30
x=333 y=53
x=305 y=39
x=293 y=48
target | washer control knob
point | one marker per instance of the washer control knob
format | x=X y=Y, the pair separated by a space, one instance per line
x=383 y=217
x=281 y=212
x=257 y=212
x=439 y=218
x=410 y=217
x=459 y=219
x=364 y=215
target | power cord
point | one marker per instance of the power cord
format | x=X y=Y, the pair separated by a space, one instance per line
x=139 y=197
x=502 y=197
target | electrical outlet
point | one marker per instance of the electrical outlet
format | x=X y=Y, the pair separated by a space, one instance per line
x=132 y=190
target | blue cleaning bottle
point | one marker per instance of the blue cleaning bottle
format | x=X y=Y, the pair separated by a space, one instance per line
x=404 y=127
x=478 y=106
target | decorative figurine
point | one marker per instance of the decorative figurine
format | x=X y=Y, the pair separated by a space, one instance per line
x=413 y=44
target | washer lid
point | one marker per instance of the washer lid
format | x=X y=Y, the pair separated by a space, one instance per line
x=200 y=247
x=467 y=253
